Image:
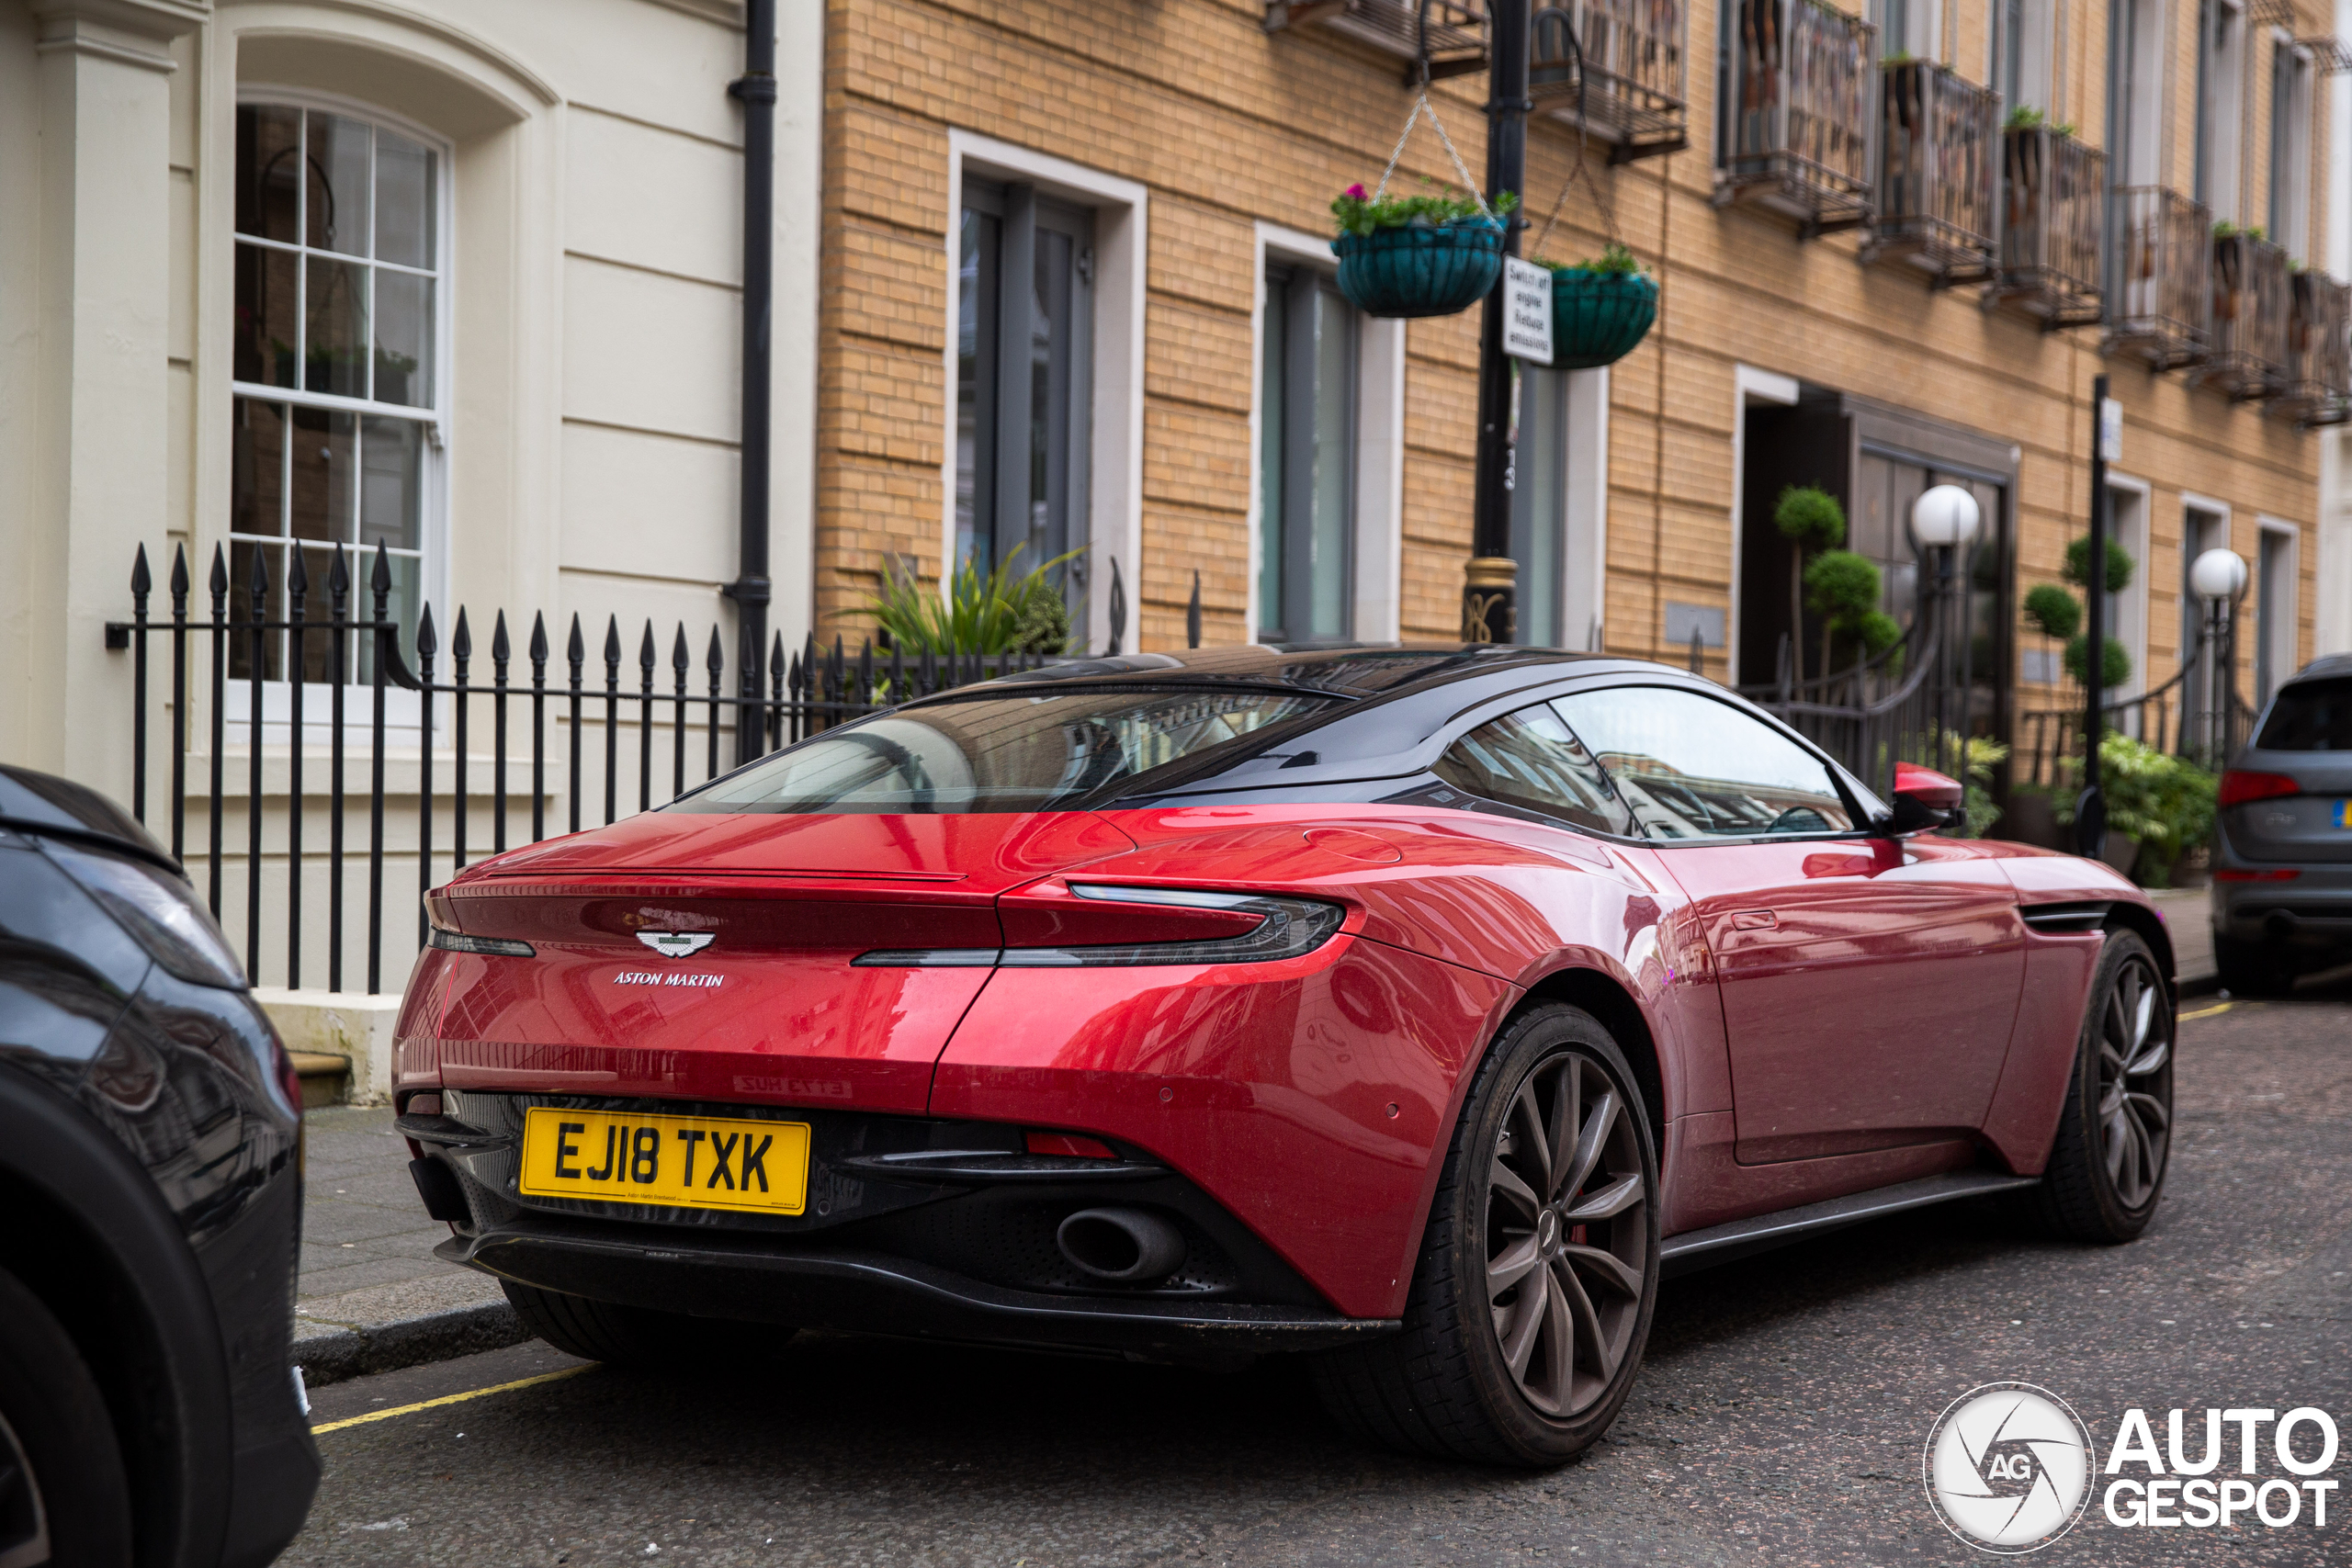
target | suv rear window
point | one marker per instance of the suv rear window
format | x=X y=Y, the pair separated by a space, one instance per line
x=2311 y=716
x=1051 y=751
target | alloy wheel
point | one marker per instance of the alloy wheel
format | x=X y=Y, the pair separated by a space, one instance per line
x=2135 y=1082
x=24 y=1532
x=1567 y=1234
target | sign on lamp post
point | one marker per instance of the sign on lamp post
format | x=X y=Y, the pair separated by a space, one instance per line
x=1527 y=310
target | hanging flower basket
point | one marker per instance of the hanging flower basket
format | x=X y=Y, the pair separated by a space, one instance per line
x=1599 y=317
x=1420 y=270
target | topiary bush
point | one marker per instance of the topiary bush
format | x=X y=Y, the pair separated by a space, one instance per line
x=2053 y=612
x=2119 y=564
x=2115 y=667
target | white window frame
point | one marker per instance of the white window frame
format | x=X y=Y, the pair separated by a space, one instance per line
x=2290 y=189
x=1376 y=551
x=2144 y=105
x=2278 y=652
x=1114 y=455
x=2222 y=98
x=1583 y=521
x=403 y=713
x=2131 y=604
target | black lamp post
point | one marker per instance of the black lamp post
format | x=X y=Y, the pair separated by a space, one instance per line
x=1490 y=590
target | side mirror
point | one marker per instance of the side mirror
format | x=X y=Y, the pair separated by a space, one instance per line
x=1923 y=799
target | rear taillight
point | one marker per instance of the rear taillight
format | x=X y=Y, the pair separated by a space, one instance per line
x=442 y=932
x=1066 y=927
x=1067 y=1144
x=1281 y=928
x=2240 y=785
x=2272 y=873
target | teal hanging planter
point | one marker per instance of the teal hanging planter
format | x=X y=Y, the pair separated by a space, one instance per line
x=1408 y=271
x=1597 y=318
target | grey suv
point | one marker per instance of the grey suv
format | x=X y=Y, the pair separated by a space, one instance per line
x=2282 y=848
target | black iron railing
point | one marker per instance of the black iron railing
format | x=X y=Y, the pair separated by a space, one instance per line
x=2053 y=228
x=2162 y=254
x=1939 y=147
x=268 y=645
x=1798 y=92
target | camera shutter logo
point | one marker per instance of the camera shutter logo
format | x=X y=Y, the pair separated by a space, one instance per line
x=677 y=945
x=2008 y=1467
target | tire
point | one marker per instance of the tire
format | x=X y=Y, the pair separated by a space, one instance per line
x=61 y=1469
x=1446 y=1386
x=2113 y=1149
x=2250 y=969
x=629 y=1336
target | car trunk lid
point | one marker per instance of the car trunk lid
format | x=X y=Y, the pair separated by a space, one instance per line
x=752 y=993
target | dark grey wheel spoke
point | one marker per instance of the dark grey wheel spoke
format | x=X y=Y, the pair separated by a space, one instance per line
x=1567 y=1115
x=1512 y=1265
x=1592 y=1345
x=2134 y=1113
x=1526 y=1322
x=1596 y=1128
x=1607 y=1202
x=1620 y=1275
x=1506 y=1182
x=1530 y=1140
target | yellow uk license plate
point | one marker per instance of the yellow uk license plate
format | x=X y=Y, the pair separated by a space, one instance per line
x=685 y=1162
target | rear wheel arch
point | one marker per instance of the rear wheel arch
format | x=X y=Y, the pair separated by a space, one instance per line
x=1614 y=1009
x=142 y=1317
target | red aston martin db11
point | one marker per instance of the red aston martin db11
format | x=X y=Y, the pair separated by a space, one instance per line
x=1412 y=1010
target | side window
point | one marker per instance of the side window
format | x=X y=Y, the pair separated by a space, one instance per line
x=1690 y=767
x=1531 y=759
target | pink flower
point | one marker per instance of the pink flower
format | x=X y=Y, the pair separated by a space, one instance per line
x=1355 y=191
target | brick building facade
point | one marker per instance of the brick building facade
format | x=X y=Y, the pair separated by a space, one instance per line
x=1198 y=142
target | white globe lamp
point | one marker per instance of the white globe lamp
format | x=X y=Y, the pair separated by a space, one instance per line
x=2218 y=575
x=1945 y=515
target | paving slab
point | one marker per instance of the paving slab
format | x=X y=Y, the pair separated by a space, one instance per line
x=372 y=1297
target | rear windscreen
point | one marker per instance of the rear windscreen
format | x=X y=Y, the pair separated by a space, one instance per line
x=2311 y=716
x=1023 y=753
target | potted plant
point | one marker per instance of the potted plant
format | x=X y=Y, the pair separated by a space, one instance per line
x=1433 y=255
x=1600 y=308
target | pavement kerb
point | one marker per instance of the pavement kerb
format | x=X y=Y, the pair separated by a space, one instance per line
x=336 y=1351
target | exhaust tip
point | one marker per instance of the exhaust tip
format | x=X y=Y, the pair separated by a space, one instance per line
x=1123 y=1246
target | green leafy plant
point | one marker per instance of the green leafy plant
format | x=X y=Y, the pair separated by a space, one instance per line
x=2053 y=612
x=1615 y=261
x=998 y=613
x=1810 y=519
x=2024 y=116
x=1358 y=214
x=2119 y=564
x=1897 y=57
x=2115 y=665
x=2225 y=230
x=2166 y=802
x=1980 y=757
x=1842 y=587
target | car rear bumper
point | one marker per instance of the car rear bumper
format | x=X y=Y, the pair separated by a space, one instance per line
x=911 y=1225
x=768 y=1281
x=2311 y=910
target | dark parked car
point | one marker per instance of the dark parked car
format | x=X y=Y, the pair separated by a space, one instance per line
x=151 y=1185
x=2282 y=849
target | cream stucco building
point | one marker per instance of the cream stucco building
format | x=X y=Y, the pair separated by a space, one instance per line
x=460 y=278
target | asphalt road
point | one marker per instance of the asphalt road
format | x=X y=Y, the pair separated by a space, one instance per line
x=1780 y=1417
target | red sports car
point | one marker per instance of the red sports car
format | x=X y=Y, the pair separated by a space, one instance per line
x=1414 y=1011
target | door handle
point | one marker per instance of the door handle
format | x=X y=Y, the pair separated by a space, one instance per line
x=1755 y=921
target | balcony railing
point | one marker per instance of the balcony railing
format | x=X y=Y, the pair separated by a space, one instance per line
x=2164 y=258
x=1618 y=68
x=1938 y=138
x=2247 y=330
x=2050 y=232
x=2319 y=353
x=1798 y=87
x=1457 y=29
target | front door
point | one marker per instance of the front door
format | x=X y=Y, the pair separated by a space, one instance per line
x=1869 y=985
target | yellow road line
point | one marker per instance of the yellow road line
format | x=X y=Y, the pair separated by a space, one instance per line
x=2207 y=1012
x=447 y=1399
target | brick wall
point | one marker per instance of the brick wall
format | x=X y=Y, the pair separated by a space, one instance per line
x=1227 y=125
